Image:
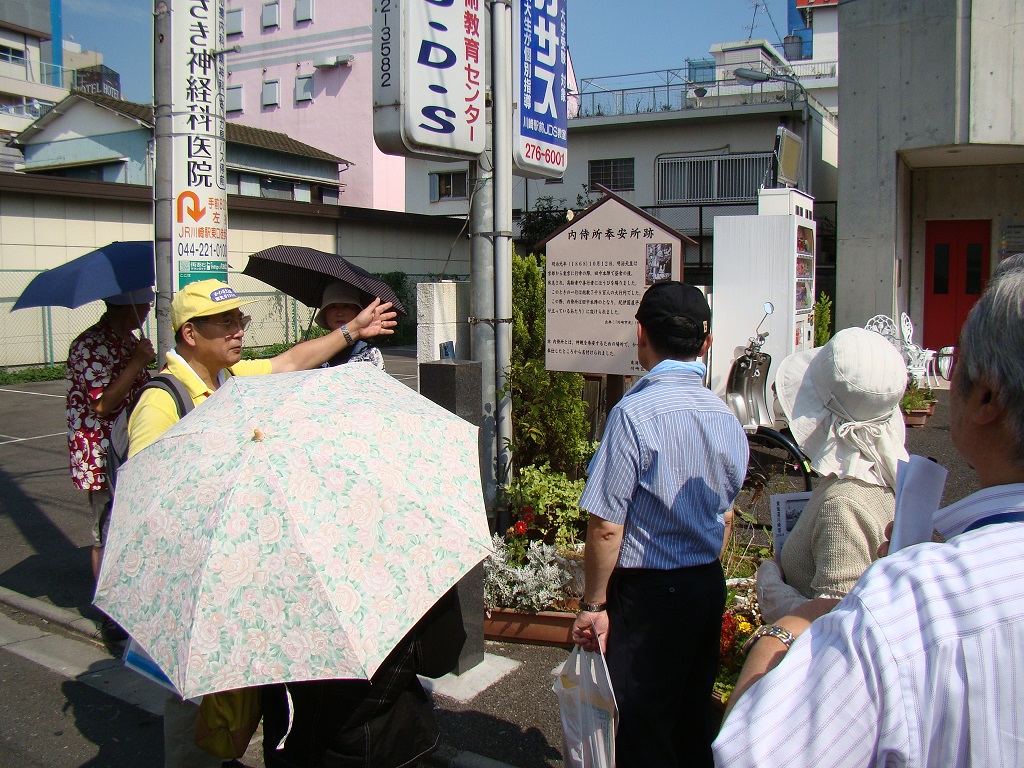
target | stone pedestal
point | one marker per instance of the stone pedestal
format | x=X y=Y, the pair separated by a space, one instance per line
x=455 y=385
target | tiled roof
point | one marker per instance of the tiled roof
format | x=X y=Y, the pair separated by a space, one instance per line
x=236 y=132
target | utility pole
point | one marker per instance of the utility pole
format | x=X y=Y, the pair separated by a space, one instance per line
x=481 y=308
x=501 y=95
x=163 y=194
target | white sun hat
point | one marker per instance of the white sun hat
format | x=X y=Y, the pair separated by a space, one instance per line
x=338 y=292
x=842 y=401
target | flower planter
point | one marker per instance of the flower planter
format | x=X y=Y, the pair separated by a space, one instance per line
x=543 y=628
x=915 y=417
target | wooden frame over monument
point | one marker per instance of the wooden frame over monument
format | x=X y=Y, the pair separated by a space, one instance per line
x=598 y=266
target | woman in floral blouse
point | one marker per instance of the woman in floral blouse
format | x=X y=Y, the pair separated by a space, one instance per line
x=106 y=369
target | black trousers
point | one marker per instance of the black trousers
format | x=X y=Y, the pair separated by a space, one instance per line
x=663 y=647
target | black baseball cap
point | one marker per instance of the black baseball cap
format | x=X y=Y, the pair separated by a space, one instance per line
x=664 y=301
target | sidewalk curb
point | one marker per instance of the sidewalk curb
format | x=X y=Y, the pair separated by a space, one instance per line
x=444 y=757
x=447 y=757
x=44 y=610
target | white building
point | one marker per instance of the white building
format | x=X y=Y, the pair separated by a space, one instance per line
x=685 y=145
x=28 y=84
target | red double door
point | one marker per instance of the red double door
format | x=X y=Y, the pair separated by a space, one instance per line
x=956 y=270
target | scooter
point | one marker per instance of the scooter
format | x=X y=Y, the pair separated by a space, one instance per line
x=746 y=387
x=776 y=464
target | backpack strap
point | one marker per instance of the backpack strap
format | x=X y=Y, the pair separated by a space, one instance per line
x=172 y=385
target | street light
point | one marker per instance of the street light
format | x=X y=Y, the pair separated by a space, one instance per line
x=754 y=76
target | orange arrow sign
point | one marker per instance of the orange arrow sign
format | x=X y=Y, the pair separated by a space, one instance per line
x=194 y=211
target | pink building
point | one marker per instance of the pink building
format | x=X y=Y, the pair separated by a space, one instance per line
x=304 y=68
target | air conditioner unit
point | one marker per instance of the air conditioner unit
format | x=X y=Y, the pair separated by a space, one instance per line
x=325 y=61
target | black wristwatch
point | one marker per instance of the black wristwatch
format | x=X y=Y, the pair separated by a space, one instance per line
x=593 y=607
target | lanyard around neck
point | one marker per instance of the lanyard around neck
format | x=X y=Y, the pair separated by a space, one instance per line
x=1000 y=517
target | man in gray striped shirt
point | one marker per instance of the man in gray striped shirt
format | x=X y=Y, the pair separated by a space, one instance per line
x=922 y=664
x=670 y=464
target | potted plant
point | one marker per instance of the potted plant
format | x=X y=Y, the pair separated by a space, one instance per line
x=930 y=398
x=914 y=406
x=528 y=593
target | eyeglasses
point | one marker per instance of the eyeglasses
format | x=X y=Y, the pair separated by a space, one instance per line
x=230 y=326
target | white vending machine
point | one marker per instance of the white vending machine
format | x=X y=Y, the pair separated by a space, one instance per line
x=767 y=257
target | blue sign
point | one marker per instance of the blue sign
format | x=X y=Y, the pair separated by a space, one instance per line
x=541 y=120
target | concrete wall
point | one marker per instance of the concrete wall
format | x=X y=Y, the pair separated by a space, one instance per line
x=897 y=92
x=997 y=69
x=919 y=76
x=442 y=315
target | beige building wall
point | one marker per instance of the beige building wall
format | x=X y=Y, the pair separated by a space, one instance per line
x=46 y=222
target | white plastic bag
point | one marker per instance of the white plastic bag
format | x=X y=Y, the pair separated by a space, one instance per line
x=589 y=714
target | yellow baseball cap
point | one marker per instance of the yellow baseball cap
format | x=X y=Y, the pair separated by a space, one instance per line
x=203 y=298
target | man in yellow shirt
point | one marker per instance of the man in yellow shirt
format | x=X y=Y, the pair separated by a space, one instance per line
x=208 y=329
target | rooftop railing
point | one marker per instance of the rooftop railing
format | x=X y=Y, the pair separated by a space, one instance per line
x=671 y=91
x=35 y=71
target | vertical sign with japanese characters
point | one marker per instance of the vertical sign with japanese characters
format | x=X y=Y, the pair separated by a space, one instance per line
x=597 y=270
x=199 y=232
x=429 y=61
x=539 y=55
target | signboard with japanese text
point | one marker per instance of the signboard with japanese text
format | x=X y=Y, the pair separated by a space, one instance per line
x=199 y=232
x=598 y=268
x=429 y=62
x=539 y=55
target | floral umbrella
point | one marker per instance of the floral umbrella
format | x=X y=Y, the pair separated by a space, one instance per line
x=293 y=527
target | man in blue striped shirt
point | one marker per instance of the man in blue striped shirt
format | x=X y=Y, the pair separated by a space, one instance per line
x=670 y=464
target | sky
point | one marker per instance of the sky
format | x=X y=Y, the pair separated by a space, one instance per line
x=606 y=37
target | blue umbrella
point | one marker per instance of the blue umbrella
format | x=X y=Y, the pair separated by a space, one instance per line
x=116 y=268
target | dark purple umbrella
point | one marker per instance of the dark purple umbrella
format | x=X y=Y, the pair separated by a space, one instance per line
x=303 y=273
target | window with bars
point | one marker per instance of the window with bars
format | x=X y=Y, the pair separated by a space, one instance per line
x=616 y=174
x=714 y=178
x=448 y=186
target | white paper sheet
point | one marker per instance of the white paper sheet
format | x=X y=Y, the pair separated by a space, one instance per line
x=786 y=509
x=919 y=485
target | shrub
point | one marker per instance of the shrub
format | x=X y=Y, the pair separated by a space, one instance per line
x=822 y=320
x=541 y=582
x=549 y=418
x=913 y=399
x=405 y=331
x=546 y=509
x=39 y=373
